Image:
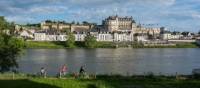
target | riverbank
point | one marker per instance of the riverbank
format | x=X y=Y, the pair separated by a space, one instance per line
x=60 y=45
x=100 y=82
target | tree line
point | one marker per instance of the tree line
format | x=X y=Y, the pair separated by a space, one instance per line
x=10 y=47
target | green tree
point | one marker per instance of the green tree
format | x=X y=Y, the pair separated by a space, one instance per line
x=77 y=23
x=3 y=23
x=10 y=48
x=90 y=41
x=85 y=23
x=12 y=28
x=185 y=33
x=73 y=22
x=70 y=40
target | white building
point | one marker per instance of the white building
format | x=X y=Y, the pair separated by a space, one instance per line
x=61 y=37
x=169 y=36
x=109 y=37
x=142 y=38
x=80 y=37
x=45 y=37
x=104 y=37
x=39 y=36
x=123 y=37
x=26 y=34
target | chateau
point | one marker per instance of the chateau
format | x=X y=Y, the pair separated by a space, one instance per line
x=122 y=24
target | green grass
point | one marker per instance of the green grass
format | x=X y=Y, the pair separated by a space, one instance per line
x=43 y=44
x=105 y=45
x=100 y=82
x=187 y=45
x=178 y=45
x=35 y=44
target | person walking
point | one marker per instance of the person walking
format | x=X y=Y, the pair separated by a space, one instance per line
x=82 y=71
x=63 y=71
x=43 y=72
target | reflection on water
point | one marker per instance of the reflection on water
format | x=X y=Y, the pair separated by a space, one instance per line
x=115 y=61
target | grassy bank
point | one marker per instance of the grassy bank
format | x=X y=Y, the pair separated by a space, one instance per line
x=187 y=45
x=35 y=44
x=100 y=82
x=178 y=45
x=55 y=45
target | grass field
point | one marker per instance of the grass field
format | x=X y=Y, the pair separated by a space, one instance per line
x=23 y=81
x=99 y=83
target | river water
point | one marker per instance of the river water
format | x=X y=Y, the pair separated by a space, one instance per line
x=124 y=61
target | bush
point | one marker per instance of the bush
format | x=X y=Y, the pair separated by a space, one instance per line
x=70 y=43
x=90 y=41
x=10 y=49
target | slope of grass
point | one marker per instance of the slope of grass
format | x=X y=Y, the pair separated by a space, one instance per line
x=99 y=82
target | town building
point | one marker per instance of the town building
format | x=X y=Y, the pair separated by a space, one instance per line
x=169 y=36
x=54 y=25
x=63 y=26
x=113 y=28
x=80 y=37
x=123 y=37
x=116 y=23
x=49 y=37
x=155 y=32
x=81 y=28
x=26 y=34
x=104 y=36
x=109 y=37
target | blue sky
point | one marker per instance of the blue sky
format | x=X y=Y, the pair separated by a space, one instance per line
x=181 y=15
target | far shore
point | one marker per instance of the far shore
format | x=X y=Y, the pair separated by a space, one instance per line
x=61 y=45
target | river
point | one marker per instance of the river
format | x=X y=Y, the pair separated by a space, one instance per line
x=124 y=61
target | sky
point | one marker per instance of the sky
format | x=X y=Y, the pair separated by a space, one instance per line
x=176 y=15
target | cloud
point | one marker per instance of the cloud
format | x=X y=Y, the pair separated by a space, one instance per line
x=48 y=9
x=23 y=19
x=196 y=15
x=109 y=2
x=176 y=13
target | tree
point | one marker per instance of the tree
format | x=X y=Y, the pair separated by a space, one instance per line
x=185 y=33
x=85 y=23
x=70 y=40
x=175 y=32
x=199 y=32
x=77 y=23
x=10 y=48
x=90 y=41
x=73 y=22
x=3 y=23
x=12 y=28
